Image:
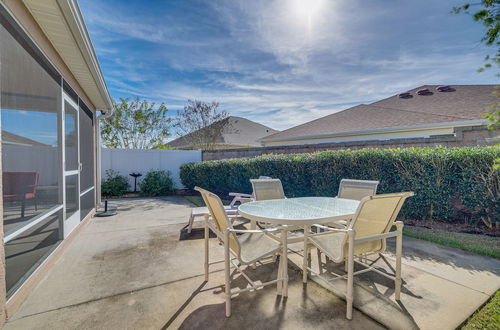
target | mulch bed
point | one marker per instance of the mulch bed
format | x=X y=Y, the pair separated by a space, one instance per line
x=455 y=226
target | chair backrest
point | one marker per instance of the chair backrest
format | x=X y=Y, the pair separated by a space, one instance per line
x=19 y=183
x=376 y=215
x=266 y=189
x=357 y=189
x=216 y=209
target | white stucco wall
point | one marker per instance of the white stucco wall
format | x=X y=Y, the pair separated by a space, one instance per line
x=127 y=161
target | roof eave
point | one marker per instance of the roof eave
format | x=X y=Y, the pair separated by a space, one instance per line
x=72 y=29
x=73 y=14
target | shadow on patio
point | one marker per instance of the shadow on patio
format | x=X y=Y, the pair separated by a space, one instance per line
x=132 y=271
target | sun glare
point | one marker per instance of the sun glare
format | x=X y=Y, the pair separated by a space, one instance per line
x=306 y=10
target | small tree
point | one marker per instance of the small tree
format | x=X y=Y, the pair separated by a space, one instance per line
x=136 y=124
x=487 y=13
x=201 y=124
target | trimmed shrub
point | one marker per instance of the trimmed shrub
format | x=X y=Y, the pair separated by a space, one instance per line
x=114 y=184
x=458 y=184
x=157 y=183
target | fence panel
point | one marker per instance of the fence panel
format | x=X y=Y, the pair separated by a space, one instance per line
x=127 y=161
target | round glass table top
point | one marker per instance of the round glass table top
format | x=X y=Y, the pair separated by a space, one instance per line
x=301 y=210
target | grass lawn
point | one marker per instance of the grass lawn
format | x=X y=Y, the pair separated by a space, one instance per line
x=487 y=317
x=480 y=244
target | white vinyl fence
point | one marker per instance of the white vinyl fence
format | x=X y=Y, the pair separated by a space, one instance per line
x=127 y=161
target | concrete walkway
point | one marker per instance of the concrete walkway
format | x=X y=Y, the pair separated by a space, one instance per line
x=131 y=271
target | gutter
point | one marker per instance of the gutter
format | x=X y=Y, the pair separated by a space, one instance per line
x=104 y=114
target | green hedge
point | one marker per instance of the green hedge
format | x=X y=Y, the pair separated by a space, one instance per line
x=450 y=183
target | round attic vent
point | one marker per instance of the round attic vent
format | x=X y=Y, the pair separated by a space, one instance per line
x=405 y=95
x=424 y=91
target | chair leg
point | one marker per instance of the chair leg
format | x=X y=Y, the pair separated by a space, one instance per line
x=36 y=203
x=253 y=225
x=227 y=270
x=318 y=252
x=23 y=207
x=399 y=250
x=306 y=254
x=284 y=260
x=350 y=276
x=207 y=234
x=190 y=223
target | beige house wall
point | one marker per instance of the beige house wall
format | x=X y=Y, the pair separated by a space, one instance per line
x=3 y=291
x=365 y=137
x=464 y=136
x=24 y=18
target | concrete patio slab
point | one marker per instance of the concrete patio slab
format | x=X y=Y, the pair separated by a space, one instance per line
x=432 y=297
x=131 y=271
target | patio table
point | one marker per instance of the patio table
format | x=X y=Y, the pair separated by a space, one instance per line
x=299 y=212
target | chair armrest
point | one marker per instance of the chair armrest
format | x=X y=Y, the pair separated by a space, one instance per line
x=379 y=236
x=343 y=230
x=233 y=194
x=254 y=231
x=244 y=199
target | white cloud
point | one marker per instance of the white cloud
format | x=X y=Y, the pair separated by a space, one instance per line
x=280 y=63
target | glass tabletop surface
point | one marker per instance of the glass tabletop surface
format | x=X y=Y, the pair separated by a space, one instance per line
x=301 y=208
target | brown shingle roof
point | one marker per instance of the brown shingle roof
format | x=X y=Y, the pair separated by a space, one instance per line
x=239 y=132
x=466 y=102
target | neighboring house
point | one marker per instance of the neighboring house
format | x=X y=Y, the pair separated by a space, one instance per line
x=14 y=139
x=423 y=112
x=238 y=133
x=51 y=88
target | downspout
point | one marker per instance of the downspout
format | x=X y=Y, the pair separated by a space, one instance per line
x=104 y=114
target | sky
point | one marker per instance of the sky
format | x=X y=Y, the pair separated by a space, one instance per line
x=283 y=62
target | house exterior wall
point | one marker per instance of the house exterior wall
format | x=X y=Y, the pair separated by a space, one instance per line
x=464 y=136
x=406 y=134
x=20 y=14
x=3 y=290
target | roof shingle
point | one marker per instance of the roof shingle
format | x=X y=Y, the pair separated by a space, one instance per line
x=466 y=102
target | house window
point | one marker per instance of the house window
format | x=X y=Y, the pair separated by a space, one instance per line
x=30 y=104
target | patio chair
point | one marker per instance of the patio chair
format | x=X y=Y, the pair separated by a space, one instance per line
x=20 y=187
x=244 y=198
x=366 y=233
x=357 y=189
x=231 y=209
x=245 y=246
x=266 y=189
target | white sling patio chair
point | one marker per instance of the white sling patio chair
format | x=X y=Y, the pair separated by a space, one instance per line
x=366 y=233
x=357 y=189
x=246 y=248
x=231 y=209
x=244 y=198
x=266 y=189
